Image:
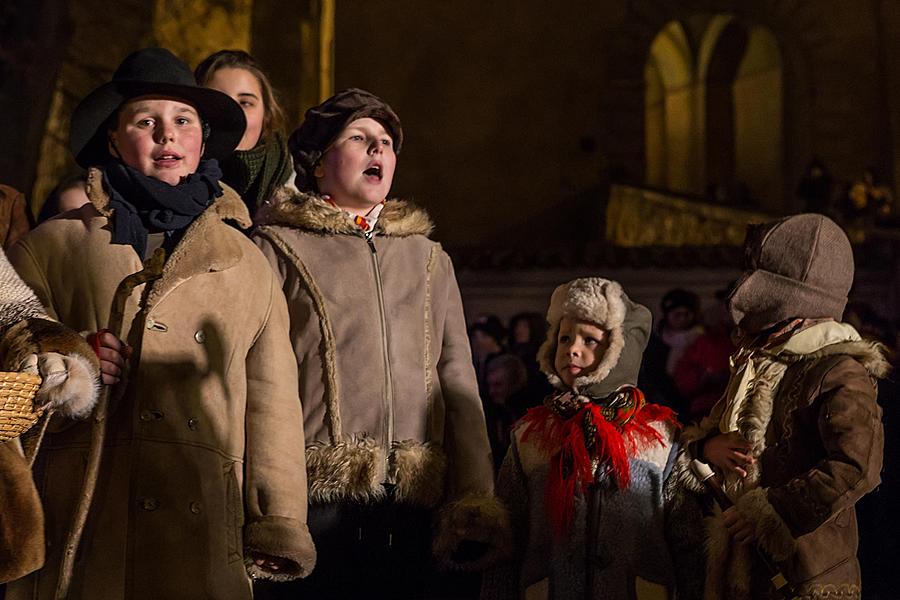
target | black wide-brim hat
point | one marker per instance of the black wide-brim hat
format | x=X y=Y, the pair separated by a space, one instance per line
x=156 y=72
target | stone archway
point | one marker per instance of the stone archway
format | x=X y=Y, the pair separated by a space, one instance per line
x=799 y=32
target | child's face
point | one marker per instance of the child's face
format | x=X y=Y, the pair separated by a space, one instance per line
x=358 y=168
x=244 y=88
x=580 y=346
x=160 y=137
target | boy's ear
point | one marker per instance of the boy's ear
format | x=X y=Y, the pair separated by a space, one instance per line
x=111 y=144
x=318 y=171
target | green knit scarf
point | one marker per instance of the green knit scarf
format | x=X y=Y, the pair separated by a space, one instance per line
x=256 y=174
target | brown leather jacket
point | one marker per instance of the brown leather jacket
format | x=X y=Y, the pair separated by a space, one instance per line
x=816 y=431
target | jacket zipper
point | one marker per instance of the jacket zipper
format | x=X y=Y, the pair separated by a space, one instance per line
x=388 y=395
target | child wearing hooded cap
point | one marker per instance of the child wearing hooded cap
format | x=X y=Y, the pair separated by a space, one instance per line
x=797 y=438
x=393 y=422
x=584 y=474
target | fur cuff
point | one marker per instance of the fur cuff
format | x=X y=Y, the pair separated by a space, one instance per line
x=771 y=530
x=38 y=336
x=281 y=537
x=70 y=384
x=480 y=519
x=419 y=471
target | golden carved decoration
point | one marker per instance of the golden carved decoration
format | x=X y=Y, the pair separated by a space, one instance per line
x=639 y=217
x=194 y=29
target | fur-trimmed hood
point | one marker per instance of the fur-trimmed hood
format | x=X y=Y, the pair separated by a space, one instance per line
x=604 y=303
x=312 y=213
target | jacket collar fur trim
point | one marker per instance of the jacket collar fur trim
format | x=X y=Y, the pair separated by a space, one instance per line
x=872 y=355
x=205 y=246
x=311 y=213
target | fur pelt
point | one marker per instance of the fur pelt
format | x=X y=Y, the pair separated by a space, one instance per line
x=268 y=536
x=309 y=212
x=354 y=470
x=67 y=364
x=21 y=516
x=593 y=299
x=472 y=518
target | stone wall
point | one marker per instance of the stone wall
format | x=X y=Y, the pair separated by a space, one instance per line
x=515 y=114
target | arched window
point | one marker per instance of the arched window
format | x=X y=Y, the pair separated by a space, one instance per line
x=670 y=115
x=713 y=109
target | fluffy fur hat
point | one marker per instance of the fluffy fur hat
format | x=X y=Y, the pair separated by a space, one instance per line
x=603 y=303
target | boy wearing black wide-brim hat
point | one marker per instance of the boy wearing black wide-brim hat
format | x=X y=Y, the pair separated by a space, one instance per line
x=202 y=480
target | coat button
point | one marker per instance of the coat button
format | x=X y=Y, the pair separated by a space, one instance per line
x=149 y=504
x=193 y=424
x=200 y=336
x=151 y=415
x=196 y=508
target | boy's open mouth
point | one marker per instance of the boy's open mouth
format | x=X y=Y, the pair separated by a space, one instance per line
x=373 y=171
x=166 y=158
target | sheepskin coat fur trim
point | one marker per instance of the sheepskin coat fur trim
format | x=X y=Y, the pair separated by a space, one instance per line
x=386 y=374
x=816 y=433
x=309 y=212
x=204 y=445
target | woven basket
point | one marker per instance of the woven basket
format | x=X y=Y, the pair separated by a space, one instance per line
x=17 y=413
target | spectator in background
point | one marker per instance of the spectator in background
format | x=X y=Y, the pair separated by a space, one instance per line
x=15 y=220
x=506 y=380
x=526 y=334
x=815 y=189
x=70 y=193
x=677 y=330
x=486 y=337
x=261 y=164
x=703 y=370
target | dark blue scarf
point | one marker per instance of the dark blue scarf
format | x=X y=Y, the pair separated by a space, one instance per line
x=144 y=204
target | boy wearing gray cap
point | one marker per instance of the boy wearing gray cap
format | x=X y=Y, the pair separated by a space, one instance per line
x=393 y=421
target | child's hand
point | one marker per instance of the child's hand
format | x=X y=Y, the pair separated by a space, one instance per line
x=272 y=564
x=738 y=527
x=729 y=452
x=112 y=353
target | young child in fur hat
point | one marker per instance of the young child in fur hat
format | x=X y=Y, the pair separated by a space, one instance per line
x=392 y=418
x=797 y=437
x=584 y=474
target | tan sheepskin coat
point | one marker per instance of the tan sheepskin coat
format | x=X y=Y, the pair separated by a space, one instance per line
x=204 y=456
x=386 y=372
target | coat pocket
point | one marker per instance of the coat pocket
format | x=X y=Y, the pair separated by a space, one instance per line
x=234 y=514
